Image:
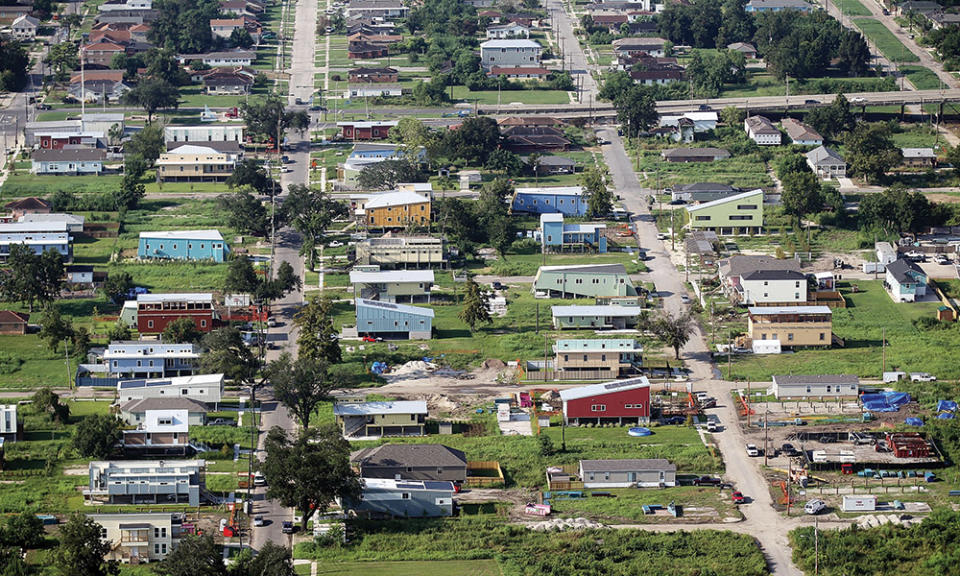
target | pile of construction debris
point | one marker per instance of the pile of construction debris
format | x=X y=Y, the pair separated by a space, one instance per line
x=872 y=521
x=564 y=524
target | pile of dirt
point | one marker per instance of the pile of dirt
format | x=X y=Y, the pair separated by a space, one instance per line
x=550 y=397
x=564 y=524
x=412 y=369
x=440 y=403
x=493 y=364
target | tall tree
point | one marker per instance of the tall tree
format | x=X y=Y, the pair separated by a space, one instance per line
x=802 y=194
x=194 y=556
x=14 y=62
x=853 y=54
x=250 y=172
x=318 y=337
x=81 y=551
x=46 y=401
x=674 y=331
x=182 y=331
x=311 y=211
x=473 y=142
x=636 y=109
x=147 y=143
x=117 y=285
x=309 y=471
x=226 y=353
x=63 y=58
x=474 y=305
x=736 y=24
x=54 y=328
x=244 y=212
x=599 y=197
x=833 y=120
x=23 y=530
x=387 y=174
x=266 y=115
x=31 y=278
x=272 y=560
x=153 y=94
x=183 y=26
x=871 y=151
x=97 y=436
x=300 y=385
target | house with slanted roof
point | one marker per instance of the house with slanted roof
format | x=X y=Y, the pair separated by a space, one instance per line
x=567 y=200
x=193 y=163
x=738 y=214
x=628 y=473
x=619 y=402
x=745 y=48
x=377 y=419
x=702 y=192
x=528 y=139
x=392 y=285
x=815 y=386
x=206 y=388
x=782 y=287
x=507 y=31
x=390 y=320
x=553 y=165
x=560 y=237
x=28 y=205
x=194 y=245
x=584 y=281
x=382 y=497
x=367 y=130
x=922 y=157
x=25 y=28
x=134 y=412
x=13 y=322
x=800 y=133
x=762 y=131
x=905 y=281
x=374 y=75
x=826 y=163
x=694 y=154
x=510 y=53
x=396 y=209
x=598 y=317
x=434 y=462
x=67 y=161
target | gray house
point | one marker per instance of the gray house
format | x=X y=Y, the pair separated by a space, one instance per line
x=628 y=473
x=411 y=462
x=145 y=482
x=380 y=497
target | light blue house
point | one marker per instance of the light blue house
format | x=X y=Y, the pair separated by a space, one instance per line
x=559 y=237
x=906 y=281
x=568 y=200
x=393 y=320
x=183 y=245
x=38 y=236
x=776 y=5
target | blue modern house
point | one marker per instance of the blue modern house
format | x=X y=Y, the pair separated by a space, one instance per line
x=183 y=245
x=557 y=236
x=133 y=360
x=38 y=236
x=569 y=200
x=390 y=320
x=906 y=281
x=381 y=497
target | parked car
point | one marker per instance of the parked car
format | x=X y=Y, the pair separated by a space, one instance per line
x=922 y=377
x=684 y=298
x=737 y=497
x=859 y=101
x=259 y=479
x=942 y=259
x=287 y=527
x=497 y=286
x=752 y=450
x=271 y=323
x=711 y=426
x=298 y=101
x=222 y=422
x=789 y=450
x=707 y=481
x=708 y=402
x=673 y=420
x=811 y=101
x=335 y=244
x=43 y=107
x=372 y=339
x=814 y=507
x=258 y=520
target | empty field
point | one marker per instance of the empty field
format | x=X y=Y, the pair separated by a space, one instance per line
x=445 y=567
x=888 y=44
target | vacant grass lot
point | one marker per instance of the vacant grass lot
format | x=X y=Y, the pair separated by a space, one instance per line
x=921 y=77
x=870 y=311
x=853 y=8
x=747 y=171
x=492 y=97
x=626 y=504
x=445 y=567
x=892 y=48
x=761 y=83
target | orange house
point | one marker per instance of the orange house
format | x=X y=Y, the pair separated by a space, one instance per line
x=396 y=210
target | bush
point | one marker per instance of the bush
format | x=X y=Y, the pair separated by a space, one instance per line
x=9 y=364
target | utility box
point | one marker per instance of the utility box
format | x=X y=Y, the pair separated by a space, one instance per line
x=859 y=503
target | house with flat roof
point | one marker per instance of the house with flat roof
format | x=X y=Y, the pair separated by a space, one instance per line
x=603 y=358
x=885 y=253
x=402 y=252
x=738 y=214
x=150 y=359
x=702 y=192
x=206 y=388
x=377 y=419
x=791 y=326
x=555 y=236
x=387 y=498
x=396 y=209
x=204 y=133
x=236 y=57
x=155 y=311
x=905 y=281
x=38 y=236
x=694 y=154
x=431 y=462
x=392 y=285
x=73 y=222
x=389 y=320
x=782 y=287
x=628 y=473
x=134 y=412
x=584 y=281
x=161 y=433
x=11 y=427
x=801 y=134
x=383 y=9
x=146 y=482
x=599 y=317
x=366 y=130
x=826 y=163
x=619 y=402
x=139 y=537
x=195 y=245
x=815 y=386
x=568 y=200
x=193 y=163
x=777 y=5
x=762 y=131
x=510 y=53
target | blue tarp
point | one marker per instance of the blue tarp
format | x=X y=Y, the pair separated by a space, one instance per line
x=946 y=416
x=914 y=422
x=946 y=406
x=884 y=401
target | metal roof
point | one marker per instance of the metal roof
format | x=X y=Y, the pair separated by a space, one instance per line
x=399 y=198
x=183 y=235
x=405 y=485
x=604 y=388
x=774 y=310
x=519 y=43
x=774 y=275
x=815 y=379
x=174 y=297
x=598 y=344
x=734 y=198
x=587 y=268
x=195 y=380
x=553 y=190
x=392 y=276
x=173 y=403
x=628 y=465
x=371 y=408
x=415 y=310
x=587 y=310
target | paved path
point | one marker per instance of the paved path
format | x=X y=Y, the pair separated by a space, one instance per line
x=576 y=60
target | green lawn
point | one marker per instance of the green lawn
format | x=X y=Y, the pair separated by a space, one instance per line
x=445 y=567
x=761 y=83
x=27 y=362
x=748 y=171
x=922 y=78
x=853 y=8
x=492 y=97
x=870 y=311
x=626 y=505
x=892 y=48
x=915 y=136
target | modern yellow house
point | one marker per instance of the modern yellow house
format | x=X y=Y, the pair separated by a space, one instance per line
x=190 y=163
x=792 y=326
x=376 y=419
x=396 y=210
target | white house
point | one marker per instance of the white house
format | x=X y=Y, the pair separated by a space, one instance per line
x=773 y=287
x=517 y=53
x=208 y=133
x=826 y=163
x=511 y=30
x=885 y=253
x=702 y=121
x=25 y=27
x=800 y=133
x=207 y=388
x=10 y=428
x=139 y=537
x=762 y=131
x=815 y=385
x=223 y=58
x=905 y=280
x=67 y=161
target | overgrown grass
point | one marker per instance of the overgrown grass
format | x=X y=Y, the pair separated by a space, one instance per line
x=921 y=77
x=892 y=48
x=853 y=8
x=626 y=504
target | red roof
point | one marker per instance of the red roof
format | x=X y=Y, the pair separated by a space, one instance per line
x=10 y=317
x=103 y=47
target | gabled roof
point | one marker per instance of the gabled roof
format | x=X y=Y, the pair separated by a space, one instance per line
x=605 y=387
x=740 y=264
x=761 y=125
x=29 y=203
x=11 y=317
x=413 y=455
x=918 y=153
x=774 y=275
x=741 y=47
x=67 y=155
x=706 y=187
x=628 y=465
x=191 y=149
x=823 y=155
x=371 y=408
x=403 y=308
x=797 y=130
x=721 y=201
x=901 y=268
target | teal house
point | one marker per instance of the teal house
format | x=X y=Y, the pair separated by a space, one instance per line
x=584 y=281
x=559 y=237
x=195 y=245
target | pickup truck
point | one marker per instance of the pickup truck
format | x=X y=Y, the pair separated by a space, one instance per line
x=752 y=450
x=707 y=481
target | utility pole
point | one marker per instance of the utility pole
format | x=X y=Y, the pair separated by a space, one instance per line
x=66 y=359
x=816 y=546
x=766 y=437
x=883 y=351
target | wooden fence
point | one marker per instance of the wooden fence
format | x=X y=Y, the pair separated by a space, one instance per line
x=572 y=470
x=491 y=473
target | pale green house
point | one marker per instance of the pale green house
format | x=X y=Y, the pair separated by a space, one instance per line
x=739 y=214
x=585 y=281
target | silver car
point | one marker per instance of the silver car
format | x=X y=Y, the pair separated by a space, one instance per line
x=814 y=507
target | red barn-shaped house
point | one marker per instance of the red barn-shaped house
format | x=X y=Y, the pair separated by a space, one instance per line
x=155 y=311
x=618 y=402
x=368 y=130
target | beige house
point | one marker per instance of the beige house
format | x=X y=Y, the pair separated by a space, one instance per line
x=791 y=326
x=597 y=358
x=401 y=251
x=190 y=163
x=137 y=538
x=377 y=419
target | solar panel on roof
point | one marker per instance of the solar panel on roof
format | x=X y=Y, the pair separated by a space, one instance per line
x=409 y=486
x=434 y=485
x=620 y=384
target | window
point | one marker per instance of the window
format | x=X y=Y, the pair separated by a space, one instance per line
x=103 y=532
x=796 y=295
x=598 y=408
x=790 y=337
x=156 y=549
x=149 y=323
x=703 y=218
x=405 y=495
x=822 y=336
x=566 y=357
x=746 y=206
x=603 y=357
x=165 y=421
x=828 y=388
x=741 y=218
